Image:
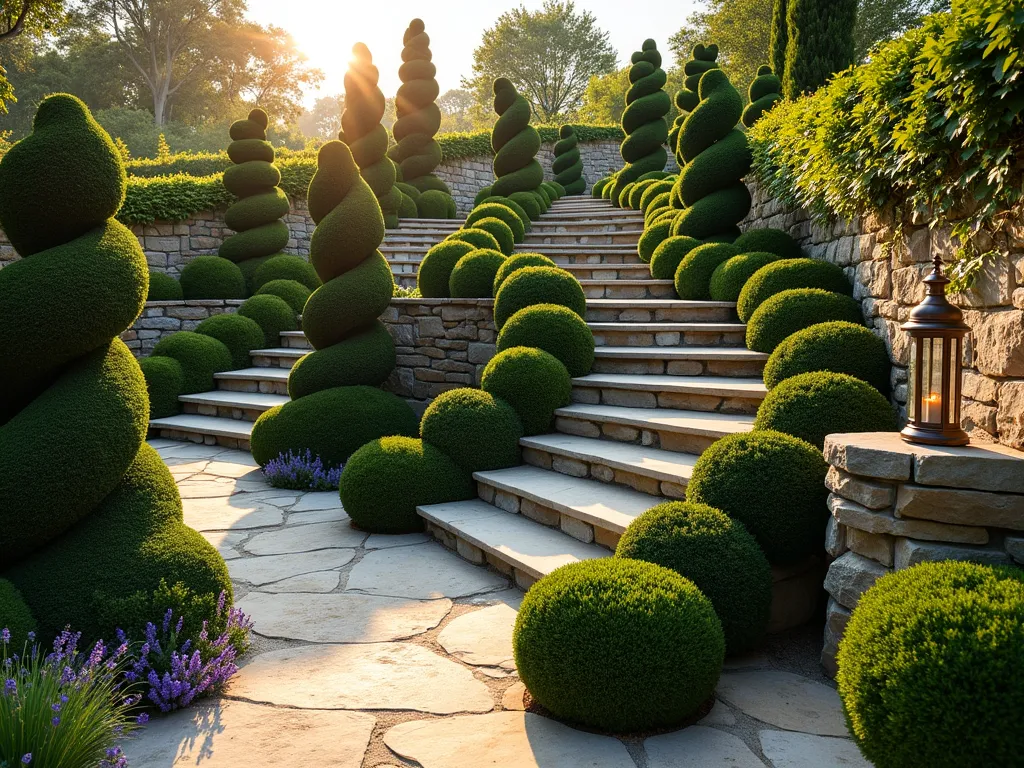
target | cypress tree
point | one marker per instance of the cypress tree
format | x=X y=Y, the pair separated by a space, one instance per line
x=779 y=37
x=820 y=42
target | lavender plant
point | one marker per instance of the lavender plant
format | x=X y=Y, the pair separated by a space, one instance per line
x=301 y=472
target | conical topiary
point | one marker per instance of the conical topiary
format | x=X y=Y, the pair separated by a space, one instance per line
x=515 y=143
x=568 y=167
x=335 y=407
x=820 y=42
x=643 y=119
x=361 y=129
x=702 y=58
x=765 y=90
x=90 y=515
x=253 y=179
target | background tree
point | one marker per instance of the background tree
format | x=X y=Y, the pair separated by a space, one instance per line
x=456 y=105
x=549 y=55
x=821 y=43
x=323 y=120
x=605 y=97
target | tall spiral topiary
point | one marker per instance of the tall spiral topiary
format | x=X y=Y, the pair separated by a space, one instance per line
x=334 y=407
x=819 y=43
x=702 y=58
x=515 y=143
x=764 y=91
x=89 y=513
x=253 y=179
x=568 y=167
x=643 y=119
x=361 y=129
x=716 y=157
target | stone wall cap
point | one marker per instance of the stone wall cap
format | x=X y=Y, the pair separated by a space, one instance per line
x=406 y=300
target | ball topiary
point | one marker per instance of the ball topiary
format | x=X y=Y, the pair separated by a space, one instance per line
x=653 y=192
x=654 y=235
x=717 y=554
x=769 y=240
x=787 y=274
x=669 y=254
x=475 y=429
x=567 y=166
x=622 y=200
x=599 y=185
x=772 y=483
x=200 y=356
x=473 y=275
x=294 y=293
x=435 y=204
x=517 y=262
x=386 y=479
x=500 y=231
x=534 y=382
x=515 y=143
x=530 y=204
x=163 y=287
x=435 y=270
x=559 y=189
x=165 y=381
x=272 y=314
x=765 y=90
x=211 y=277
x=478 y=238
x=407 y=208
x=238 y=333
x=15 y=615
x=837 y=346
x=555 y=329
x=924 y=667
x=508 y=202
x=790 y=311
x=500 y=212
x=693 y=275
x=286 y=268
x=538 y=285
x=658 y=633
x=732 y=274
x=813 y=405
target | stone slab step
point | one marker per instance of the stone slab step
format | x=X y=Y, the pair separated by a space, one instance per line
x=584 y=237
x=698 y=393
x=669 y=334
x=267 y=380
x=276 y=357
x=403 y=268
x=428 y=223
x=245 y=406
x=210 y=430
x=659 y=311
x=679 y=361
x=628 y=288
x=586 y=223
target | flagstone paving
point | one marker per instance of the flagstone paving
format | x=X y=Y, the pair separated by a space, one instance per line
x=377 y=651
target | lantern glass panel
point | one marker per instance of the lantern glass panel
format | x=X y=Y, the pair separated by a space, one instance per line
x=912 y=374
x=931 y=391
x=954 y=380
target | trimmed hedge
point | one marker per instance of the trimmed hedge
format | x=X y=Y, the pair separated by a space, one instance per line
x=163 y=287
x=538 y=285
x=790 y=311
x=813 y=405
x=769 y=240
x=731 y=275
x=478 y=238
x=285 y=267
x=366 y=357
x=717 y=554
x=534 y=382
x=502 y=213
x=16 y=616
x=928 y=667
x=386 y=479
x=693 y=275
x=669 y=255
x=508 y=202
x=555 y=329
x=238 y=333
x=772 y=483
x=787 y=274
x=200 y=357
x=653 y=238
x=293 y=292
x=165 y=380
x=473 y=275
x=517 y=262
x=475 y=429
x=434 y=275
x=620 y=645
x=211 y=277
x=272 y=314
x=837 y=346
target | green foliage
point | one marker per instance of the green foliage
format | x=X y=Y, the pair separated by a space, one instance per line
x=529 y=202
x=435 y=204
x=165 y=380
x=211 y=277
x=473 y=274
x=508 y=202
x=386 y=479
x=660 y=630
x=693 y=275
x=475 y=429
x=731 y=275
x=272 y=314
x=779 y=41
x=567 y=166
x=200 y=356
x=765 y=90
x=293 y=292
x=790 y=311
x=654 y=237
x=285 y=267
x=769 y=240
x=238 y=333
x=813 y=405
x=532 y=381
x=365 y=357
x=501 y=212
x=836 y=346
x=171 y=198
x=819 y=43
x=927 y=667
x=16 y=616
x=597 y=190
x=365 y=291
x=478 y=238
x=517 y=262
x=787 y=274
x=538 y=285
x=435 y=270
x=163 y=287
x=772 y=483
x=555 y=329
x=500 y=231
x=717 y=554
x=670 y=254
x=515 y=143
x=643 y=119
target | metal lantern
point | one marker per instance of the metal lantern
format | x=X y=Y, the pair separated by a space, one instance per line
x=937 y=332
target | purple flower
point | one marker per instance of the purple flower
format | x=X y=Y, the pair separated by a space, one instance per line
x=5 y=635
x=10 y=686
x=142 y=719
x=26 y=758
x=55 y=722
x=302 y=471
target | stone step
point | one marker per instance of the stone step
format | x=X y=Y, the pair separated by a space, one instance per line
x=585 y=237
x=276 y=357
x=512 y=544
x=682 y=431
x=587 y=223
x=406 y=269
x=679 y=361
x=271 y=381
x=648 y=470
x=209 y=430
x=450 y=224
x=659 y=311
x=604 y=214
x=668 y=334
x=629 y=289
x=695 y=393
x=295 y=340
x=243 y=406
x=406 y=260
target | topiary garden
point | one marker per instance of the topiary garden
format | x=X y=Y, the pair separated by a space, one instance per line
x=567 y=166
x=515 y=143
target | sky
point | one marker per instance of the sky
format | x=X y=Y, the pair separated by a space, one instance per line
x=325 y=30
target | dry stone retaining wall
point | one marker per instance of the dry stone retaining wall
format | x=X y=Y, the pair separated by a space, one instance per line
x=165 y=318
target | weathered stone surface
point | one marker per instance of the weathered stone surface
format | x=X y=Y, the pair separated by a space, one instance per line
x=835 y=537
x=1015 y=548
x=998 y=341
x=230 y=513
x=868 y=493
x=855 y=516
x=851 y=576
x=870 y=454
x=980 y=466
x=423 y=571
x=317 y=500
x=699 y=747
x=720 y=714
x=228 y=734
x=386 y=541
x=961 y=507
x=225 y=542
x=784 y=700
x=398 y=676
x=801 y=750
x=877 y=546
x=482 y=638
x=979 y=388
x=271 y=568
x=342 y=617
x=320 y=581
x=305 y=538
x=512 y=699
x=506 y=739
x=1010 y=414
x=911 y=552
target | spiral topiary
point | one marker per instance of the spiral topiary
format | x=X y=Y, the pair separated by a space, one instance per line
x=538 y=285
x=515 y=143
x=531 y=204
x=104 y=520
x=517 y=262
x=765 y=90
x=253 y=179
x=357 y=287
x=786 y=274
x=702 y=58
x=555 y=329
x=790 y=311
x=475 y=429
x=731 y=275
x=567 y=166
x=643 y=119
x=163 y=287
x=473 y=275
x=361 y=129
x=418 y=118
x=534 y=382
x=837 y=346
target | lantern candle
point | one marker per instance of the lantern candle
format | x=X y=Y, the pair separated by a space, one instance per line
x=933 y=408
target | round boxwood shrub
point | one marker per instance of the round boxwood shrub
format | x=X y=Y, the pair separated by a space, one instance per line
x=163 y=287
x=211 y=277
x=774 y=241
x=238 y=333
x=386 y=479
x=786 y=274
x=555 y=329
x=478 y=238
x=508 y=202
x=272 y=314
x=813 y=405
x=435 y=269
x=772 y=483
x=532 y=381
x=473 y=275
x=475 y=429
x=598 y=188
x=527 y=202
x=732 y=274
x=285 y=267
x=790 y=311
x=618 y=644
x=517 y=262
x=501 y=212
x=928 y=667
x=434 y=204
x=538 y=285
x=16 y=616
x=653 y=237
x=292 y=291
x=500 y=231
x=200 y=357
x=669 y=255
x=693 y=275
x=717 y=554
x=838 y=346
x=165 y=380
